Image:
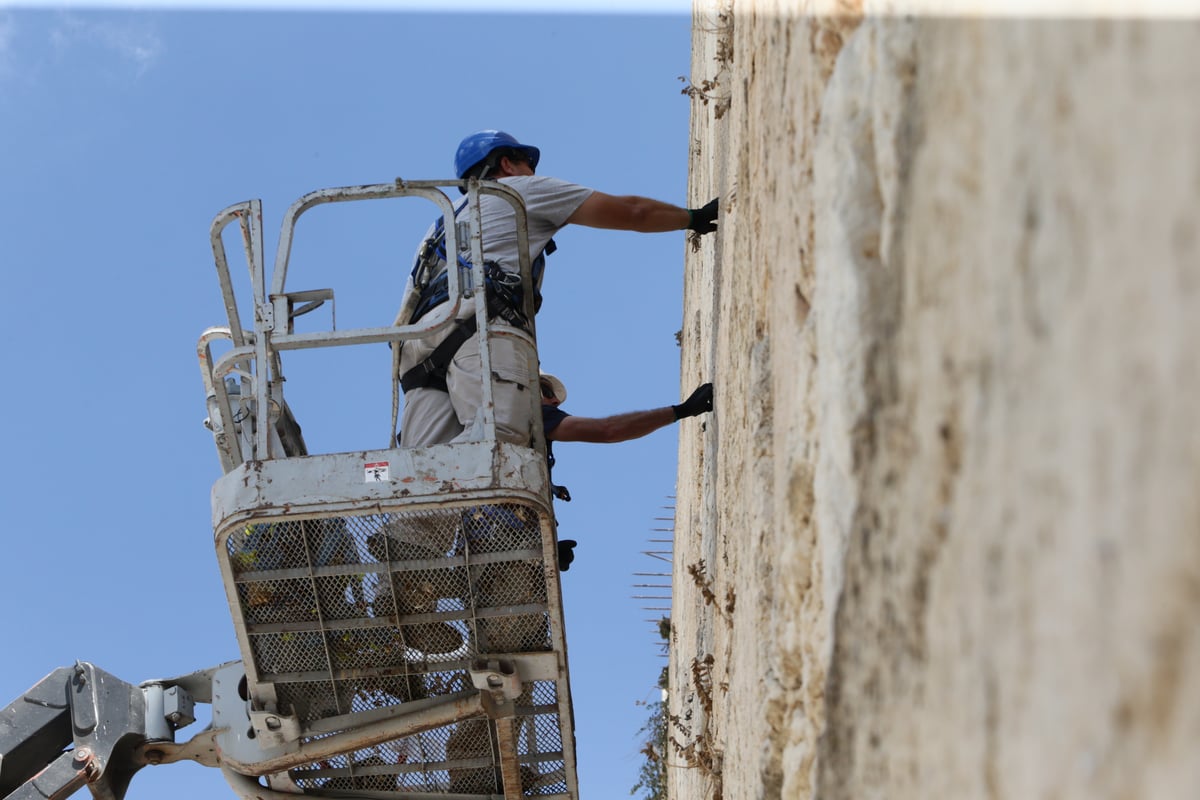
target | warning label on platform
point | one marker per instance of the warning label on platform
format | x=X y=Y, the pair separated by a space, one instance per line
x=376 y=472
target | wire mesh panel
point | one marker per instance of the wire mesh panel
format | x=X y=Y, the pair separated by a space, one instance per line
x=457 y=759
x=353 y=614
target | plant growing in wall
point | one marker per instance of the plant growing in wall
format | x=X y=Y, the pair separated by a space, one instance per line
x=652 y=775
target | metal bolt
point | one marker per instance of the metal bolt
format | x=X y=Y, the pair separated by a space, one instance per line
x=494 y=681
x=88 y=764
x=273 y=723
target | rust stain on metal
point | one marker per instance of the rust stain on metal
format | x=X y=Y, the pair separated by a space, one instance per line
x=510 y=770
x=89 y=764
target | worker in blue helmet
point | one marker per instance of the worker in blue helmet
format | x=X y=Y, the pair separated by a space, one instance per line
x=440 y=374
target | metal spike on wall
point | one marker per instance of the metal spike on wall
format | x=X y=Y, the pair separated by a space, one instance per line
x=662 y=549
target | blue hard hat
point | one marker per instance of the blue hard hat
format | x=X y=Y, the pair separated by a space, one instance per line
x=477 y=146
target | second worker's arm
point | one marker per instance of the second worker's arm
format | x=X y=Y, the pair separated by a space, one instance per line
x=632 y=424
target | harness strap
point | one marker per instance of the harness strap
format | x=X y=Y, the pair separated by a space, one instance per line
x=431 y=373
x=504 y=296
x=501 y=286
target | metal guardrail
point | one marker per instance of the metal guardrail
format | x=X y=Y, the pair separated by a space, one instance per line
x=273 y=309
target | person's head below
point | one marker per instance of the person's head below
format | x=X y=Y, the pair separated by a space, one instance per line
x=494 y=155
x=553 y=390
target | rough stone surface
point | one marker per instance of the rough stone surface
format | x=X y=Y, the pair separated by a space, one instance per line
x=941 y=537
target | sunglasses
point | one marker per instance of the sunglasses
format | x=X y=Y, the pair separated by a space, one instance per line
x=519 y=157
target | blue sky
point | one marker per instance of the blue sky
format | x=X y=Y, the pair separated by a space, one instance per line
x=123 y=132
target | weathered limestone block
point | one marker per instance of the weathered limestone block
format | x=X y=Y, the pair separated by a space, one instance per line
x=946 y=509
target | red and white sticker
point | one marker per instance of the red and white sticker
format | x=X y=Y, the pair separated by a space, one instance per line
x=376 y=472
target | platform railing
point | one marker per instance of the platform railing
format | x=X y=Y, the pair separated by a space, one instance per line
x=274 y=303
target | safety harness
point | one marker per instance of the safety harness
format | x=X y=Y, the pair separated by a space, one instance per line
x=503 y=290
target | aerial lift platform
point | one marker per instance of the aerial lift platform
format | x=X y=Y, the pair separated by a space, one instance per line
x=398 y=611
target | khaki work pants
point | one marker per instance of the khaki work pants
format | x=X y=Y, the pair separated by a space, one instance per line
x=432 y=416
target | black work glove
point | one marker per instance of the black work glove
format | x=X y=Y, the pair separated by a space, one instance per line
x=704 y=220
x=566 y=553
x=699 y=402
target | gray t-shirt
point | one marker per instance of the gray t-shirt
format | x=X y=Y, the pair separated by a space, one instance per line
x=549 y=202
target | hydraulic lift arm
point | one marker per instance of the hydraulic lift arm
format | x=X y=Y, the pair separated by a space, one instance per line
x=82 y=726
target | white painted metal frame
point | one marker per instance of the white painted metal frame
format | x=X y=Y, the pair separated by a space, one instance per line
x=261 y=484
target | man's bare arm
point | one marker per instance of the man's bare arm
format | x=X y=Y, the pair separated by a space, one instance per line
x=617 y=428
x=633 y=424
x=629 y=213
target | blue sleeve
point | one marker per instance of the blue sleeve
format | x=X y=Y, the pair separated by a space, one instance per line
x=551 y=416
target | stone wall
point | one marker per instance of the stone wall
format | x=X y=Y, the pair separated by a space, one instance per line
x=941 y=536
